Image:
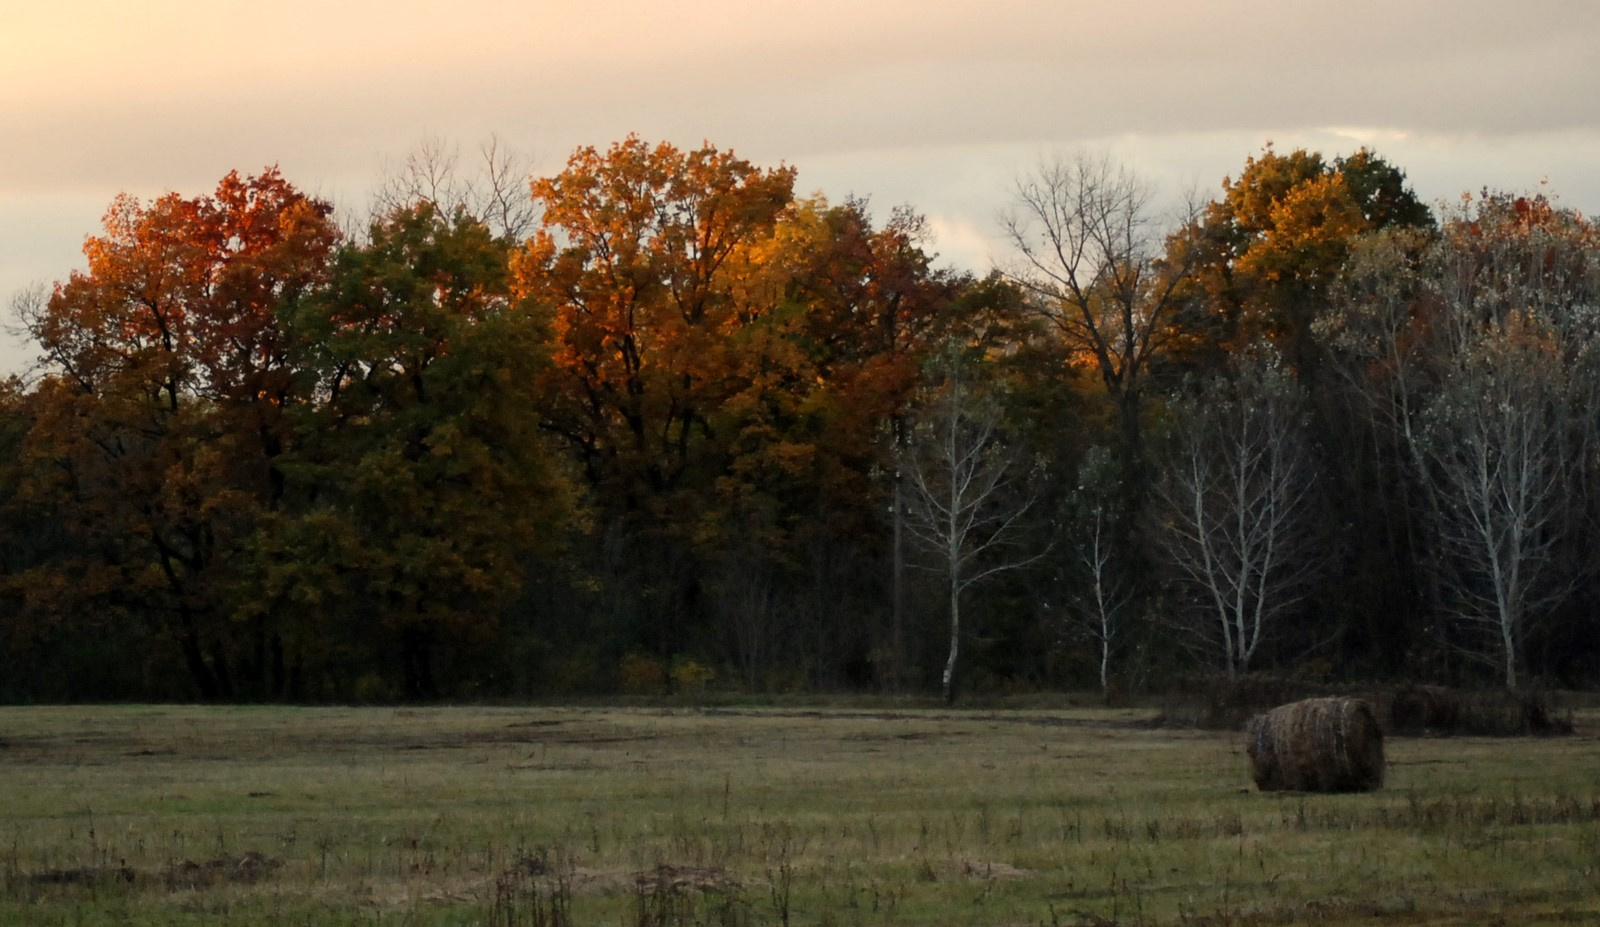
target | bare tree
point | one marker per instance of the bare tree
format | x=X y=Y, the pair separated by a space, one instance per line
x=1095 y=575
x=965 y=503
x=1495 y=446
x=1477 y=354
x=28 y=316
x=1234 y=501
x=497 y=192
x=1095 y=259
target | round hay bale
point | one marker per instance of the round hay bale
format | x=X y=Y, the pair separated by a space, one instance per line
x=1317 y=745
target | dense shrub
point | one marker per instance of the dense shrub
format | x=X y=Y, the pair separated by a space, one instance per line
x=1420 y=710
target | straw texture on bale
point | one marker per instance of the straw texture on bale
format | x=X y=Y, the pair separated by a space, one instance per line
x=1318 y=745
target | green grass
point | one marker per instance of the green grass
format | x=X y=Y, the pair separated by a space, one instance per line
x=832 y=815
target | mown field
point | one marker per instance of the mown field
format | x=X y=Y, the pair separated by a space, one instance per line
x=872 y=814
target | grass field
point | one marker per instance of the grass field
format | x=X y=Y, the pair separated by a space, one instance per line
x=872 y=814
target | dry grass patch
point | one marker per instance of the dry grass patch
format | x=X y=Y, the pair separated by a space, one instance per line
x=865 y=815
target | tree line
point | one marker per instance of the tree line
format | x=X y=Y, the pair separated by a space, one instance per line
x=657 y=422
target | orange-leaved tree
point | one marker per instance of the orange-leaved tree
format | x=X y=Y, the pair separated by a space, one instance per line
x=1267 y=252
x=159 y=424
x=821 y=375
x=639 y=262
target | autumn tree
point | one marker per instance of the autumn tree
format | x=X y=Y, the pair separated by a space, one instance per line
x=727 y=363
x=638 y=259
x=1425 y=333
x=633 y=257
x=17 y=553
x=161 y=409
x=857 y=306
x=1508 y=441
x=1268 y=255
x=1267 y=252
x=1382 y=354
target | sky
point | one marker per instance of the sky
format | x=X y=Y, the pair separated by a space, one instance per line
x=936 y=104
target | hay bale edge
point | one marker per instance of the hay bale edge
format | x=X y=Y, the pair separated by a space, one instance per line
x=1317 y=745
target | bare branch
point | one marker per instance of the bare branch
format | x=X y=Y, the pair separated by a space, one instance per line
x=1234 y=502
x=1094 y=259
x=1492 y=442
x=964 y=505
x=496 y=193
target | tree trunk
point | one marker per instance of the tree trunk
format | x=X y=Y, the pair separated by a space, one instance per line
x=219 y=671
x=955 y=641
x=279 y=674
x=1510 y=647
x=897 y=655
x=1132 y=437
x=195 y=659
x=416 y=665
x=1105 y=660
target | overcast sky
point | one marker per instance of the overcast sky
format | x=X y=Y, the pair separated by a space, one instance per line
x=935 y=103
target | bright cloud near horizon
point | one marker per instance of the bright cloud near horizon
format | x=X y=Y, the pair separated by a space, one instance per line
x=934 y=104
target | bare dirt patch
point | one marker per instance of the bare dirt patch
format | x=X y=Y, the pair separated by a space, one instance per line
x=245 y=868
x=667 y=878
x=90 y=876
x=985 y=869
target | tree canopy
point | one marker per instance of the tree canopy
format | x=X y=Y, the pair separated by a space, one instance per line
x=656 y=422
